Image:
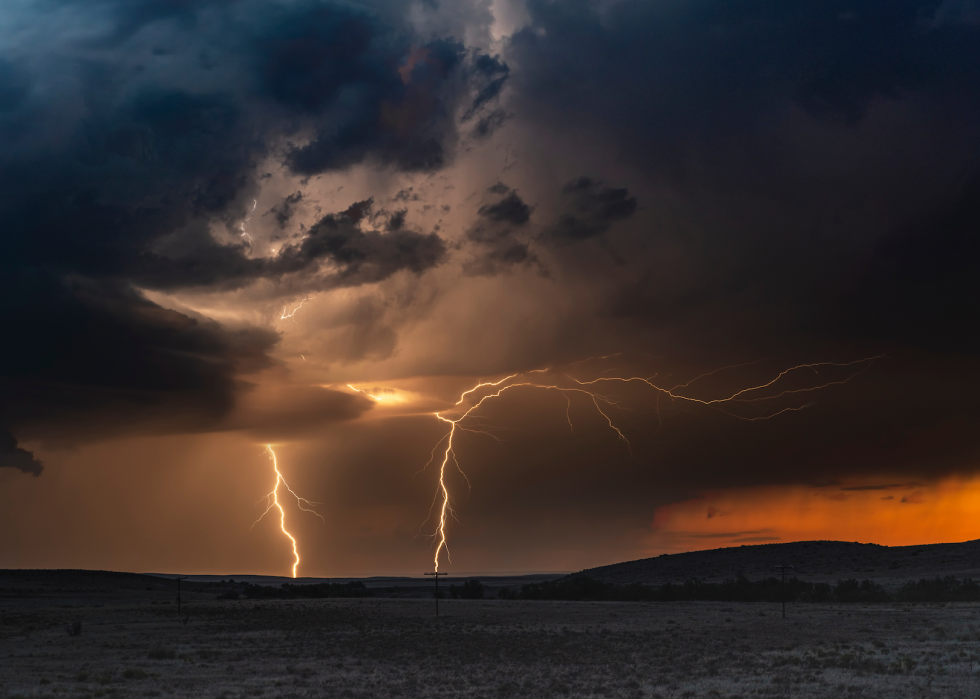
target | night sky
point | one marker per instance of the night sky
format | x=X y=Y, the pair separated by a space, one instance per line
x=228 y=224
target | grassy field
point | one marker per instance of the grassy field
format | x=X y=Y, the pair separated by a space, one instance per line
x=134 y=644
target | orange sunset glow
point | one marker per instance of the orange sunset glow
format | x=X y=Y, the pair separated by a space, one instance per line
x=895 y=514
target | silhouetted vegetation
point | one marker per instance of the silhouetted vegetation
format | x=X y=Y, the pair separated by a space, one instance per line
x=864 y=591
x=581 y=588
x=313 y=591
x=471 y=589
x=947 y=589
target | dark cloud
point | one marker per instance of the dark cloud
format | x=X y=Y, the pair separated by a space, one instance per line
x=591 y=208
x=702 y=72
x=11 y=456
x=499 y=235
x=338 y=250
x=15 y=86
x=873 y=487
x=919 y=280
x=123 y=19
x=358 y=256
x=407 y=194
x=491 y=75
x=810 y=179
x=403 y=118
x=501 y=256
x=284 y=210
x=397 y=220
x=489 y=123
x=511 y=209
x=132 y=138
x=729 y=535
x=91 y=359
x=494 y=74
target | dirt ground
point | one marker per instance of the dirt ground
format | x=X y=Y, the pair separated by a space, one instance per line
x=135 y=644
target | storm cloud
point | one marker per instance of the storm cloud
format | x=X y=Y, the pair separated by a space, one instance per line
x=94 y=358
x=358 y=256
x=628 y=188
x=133 y=129
x=591 y=209
x=500 y=235
x=776 y=180
x=12 y=456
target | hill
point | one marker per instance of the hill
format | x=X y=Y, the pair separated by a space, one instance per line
x=824 y=561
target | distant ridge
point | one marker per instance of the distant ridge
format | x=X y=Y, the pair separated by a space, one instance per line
x=811 y=560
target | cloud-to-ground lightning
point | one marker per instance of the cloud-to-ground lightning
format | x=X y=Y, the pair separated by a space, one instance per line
x=605 y=405
x=272 y=500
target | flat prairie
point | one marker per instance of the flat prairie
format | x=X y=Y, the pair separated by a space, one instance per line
x=133 y=643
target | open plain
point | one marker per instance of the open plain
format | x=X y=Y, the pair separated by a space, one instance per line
x=133 y=643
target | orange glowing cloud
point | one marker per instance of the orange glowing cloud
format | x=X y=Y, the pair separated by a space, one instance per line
x=892 y=514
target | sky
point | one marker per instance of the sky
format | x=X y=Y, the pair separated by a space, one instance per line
x=719 y=260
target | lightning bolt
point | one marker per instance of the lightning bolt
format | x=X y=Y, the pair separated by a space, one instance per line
x=445 y=509
x=272 y=499
x=285 y=315
x=247 y=219
x=364 y=392
x=603 y=405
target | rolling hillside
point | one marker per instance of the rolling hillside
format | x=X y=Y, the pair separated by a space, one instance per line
x=812 y=560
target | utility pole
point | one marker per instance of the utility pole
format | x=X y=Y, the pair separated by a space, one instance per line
x=179 y=578
x=436 y=575
x=783 y=569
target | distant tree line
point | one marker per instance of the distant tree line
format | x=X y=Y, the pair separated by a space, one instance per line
x=581 y=588
x=290 y=591
x=471 y=589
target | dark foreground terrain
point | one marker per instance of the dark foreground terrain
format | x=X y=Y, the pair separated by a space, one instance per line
x=133 y=643
x=816 y=561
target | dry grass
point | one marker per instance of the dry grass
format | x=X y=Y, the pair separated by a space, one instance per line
x=346 y=649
